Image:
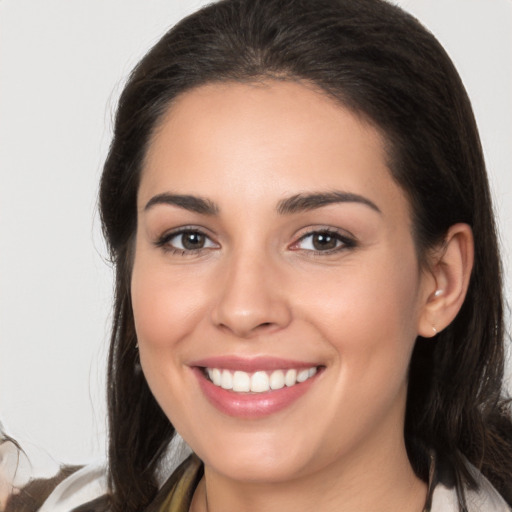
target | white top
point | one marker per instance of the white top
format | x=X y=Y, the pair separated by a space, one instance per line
x=486 y=499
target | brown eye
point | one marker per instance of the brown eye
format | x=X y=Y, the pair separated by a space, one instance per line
x=186 y=241
x=192 y=240
x=324 y=241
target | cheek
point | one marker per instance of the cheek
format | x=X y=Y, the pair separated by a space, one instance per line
x=164 y=308
x=369 y=314
x=164 y=316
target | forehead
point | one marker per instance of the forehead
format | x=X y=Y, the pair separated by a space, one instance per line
x=264 y=140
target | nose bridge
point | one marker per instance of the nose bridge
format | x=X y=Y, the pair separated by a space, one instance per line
x=251 y=300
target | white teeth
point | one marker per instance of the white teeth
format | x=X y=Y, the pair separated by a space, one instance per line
x=277 y=380
x=290 y=378
x=260 y=381
x=303 y=375
x=226 y=380
x=241 y=382
x=216 y=376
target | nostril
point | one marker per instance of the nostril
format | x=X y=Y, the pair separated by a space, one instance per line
x=266 y=326
x=248 y=312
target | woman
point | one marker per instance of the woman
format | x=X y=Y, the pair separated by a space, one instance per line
x=307 y=276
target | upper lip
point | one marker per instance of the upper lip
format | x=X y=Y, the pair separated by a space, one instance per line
x=252 y=364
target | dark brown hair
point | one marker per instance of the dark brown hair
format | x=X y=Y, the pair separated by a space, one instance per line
x=378 y=61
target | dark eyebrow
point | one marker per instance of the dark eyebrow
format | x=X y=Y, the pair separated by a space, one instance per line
x=304 y=202
x=188 y=202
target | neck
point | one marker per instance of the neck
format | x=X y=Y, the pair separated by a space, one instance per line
x=382 y=482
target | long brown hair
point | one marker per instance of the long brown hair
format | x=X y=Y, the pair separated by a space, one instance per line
x=378 y=61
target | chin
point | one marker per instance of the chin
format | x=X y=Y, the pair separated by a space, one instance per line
x=256 y=457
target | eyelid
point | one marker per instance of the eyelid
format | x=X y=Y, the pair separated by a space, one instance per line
x=348 y=241
x=163 y=241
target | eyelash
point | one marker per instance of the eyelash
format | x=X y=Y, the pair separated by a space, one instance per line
x=164 y=242
x=343 y=242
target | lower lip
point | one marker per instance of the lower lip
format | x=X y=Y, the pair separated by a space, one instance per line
x=252 y=405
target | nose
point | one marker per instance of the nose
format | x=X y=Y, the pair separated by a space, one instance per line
x=252 y=299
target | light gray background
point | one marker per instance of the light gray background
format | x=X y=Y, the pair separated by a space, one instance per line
x=62 y=65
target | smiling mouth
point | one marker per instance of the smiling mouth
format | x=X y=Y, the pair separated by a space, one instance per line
x=260 y=381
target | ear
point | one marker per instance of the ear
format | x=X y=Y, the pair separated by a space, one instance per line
x=446 y=281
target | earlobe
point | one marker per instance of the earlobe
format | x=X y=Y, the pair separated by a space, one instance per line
x=450 y=268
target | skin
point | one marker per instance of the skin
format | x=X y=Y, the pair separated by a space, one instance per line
x=258 y=289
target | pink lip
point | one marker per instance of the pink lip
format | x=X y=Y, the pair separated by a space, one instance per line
x=252 y=364
x=251 y=405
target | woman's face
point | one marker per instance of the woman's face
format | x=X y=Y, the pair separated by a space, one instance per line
x=274 y=253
